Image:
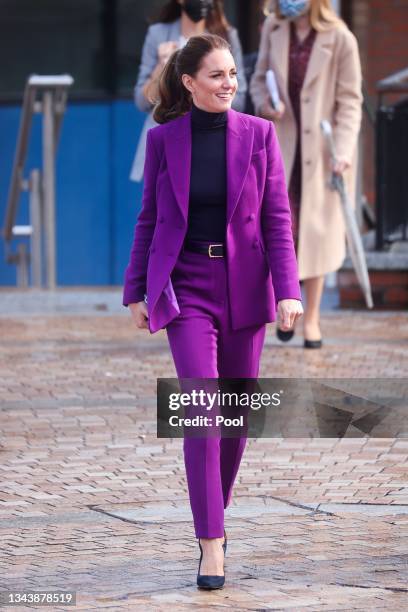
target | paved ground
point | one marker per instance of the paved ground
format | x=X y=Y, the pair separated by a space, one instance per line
x=92 y=501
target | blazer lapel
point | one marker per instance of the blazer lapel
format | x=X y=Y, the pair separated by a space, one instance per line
x=280 y=56
x=239 y=141
x=178 y=156
x=321 y=53
x=239 y=150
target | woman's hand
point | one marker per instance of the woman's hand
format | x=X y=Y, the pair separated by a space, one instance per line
x=340 y=165
x=139 y=314
x=165 y=49
x=151 y=87
x=272 y=114
x=289 y=312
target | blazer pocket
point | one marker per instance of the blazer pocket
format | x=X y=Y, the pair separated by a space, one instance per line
x=258 y=154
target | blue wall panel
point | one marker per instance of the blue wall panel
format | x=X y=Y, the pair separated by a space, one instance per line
x=97 y=204
x=127 y=124
x=84 y=177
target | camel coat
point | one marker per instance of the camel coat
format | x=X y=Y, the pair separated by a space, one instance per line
x=331 y=90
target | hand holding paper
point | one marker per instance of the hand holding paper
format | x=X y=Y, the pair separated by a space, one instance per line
x=273 y=107
x=273 y=88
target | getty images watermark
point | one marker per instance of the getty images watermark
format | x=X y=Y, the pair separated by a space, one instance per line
x=212 y=401
x=272 y=407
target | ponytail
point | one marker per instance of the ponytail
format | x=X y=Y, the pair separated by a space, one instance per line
x=174 y=99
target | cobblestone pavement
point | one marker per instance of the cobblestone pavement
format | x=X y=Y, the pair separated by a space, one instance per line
x=92 y=501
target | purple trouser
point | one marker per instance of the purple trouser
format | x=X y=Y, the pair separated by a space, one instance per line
x=204 y=346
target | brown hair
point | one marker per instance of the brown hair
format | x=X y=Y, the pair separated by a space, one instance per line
x=174 y=99
x=215 y=23
x=322 y=14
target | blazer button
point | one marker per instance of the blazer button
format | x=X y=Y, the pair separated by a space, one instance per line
x=307 y=131
x=251 y=217
x=308 y=162
x=306 y=100
x=161 y=220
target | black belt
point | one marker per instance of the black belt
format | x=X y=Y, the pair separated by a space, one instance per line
x=211 y=249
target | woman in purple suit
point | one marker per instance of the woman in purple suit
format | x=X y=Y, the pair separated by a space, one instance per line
x=213 y=258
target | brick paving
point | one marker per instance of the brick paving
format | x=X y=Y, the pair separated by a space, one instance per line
x=92 y=501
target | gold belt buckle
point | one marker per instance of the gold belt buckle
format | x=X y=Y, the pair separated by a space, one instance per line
x=210 y=246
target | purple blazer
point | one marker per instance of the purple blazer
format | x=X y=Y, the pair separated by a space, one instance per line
x=261 y=261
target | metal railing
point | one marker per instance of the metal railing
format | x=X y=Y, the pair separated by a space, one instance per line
x=395 y=83
x=46 y=95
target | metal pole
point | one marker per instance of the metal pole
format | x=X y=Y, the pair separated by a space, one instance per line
x=49 y=187
x=359 y=183
x=18 y=165
x=36 y=224
x=22 y=267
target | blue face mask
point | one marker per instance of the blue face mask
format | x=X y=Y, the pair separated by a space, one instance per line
x=292 y=8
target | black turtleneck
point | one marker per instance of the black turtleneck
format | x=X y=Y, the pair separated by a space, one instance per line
x=208 y=181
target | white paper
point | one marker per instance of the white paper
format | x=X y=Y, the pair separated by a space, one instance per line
x=272 y=88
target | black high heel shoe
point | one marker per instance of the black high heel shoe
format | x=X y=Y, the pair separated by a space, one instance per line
x=312 y=344
x=209 y=582
x=284 y=336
